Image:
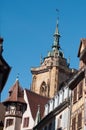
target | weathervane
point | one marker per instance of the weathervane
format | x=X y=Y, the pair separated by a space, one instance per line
x=17 y=78
x=57 y=10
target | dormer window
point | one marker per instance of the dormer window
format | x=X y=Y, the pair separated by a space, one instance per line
x=10 y=92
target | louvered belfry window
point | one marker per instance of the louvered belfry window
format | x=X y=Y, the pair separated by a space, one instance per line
x=75 y=95
x=79 y=123
x=74 y=123
x=80 y=89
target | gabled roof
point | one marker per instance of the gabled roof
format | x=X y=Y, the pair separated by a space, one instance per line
x=34 y=101
x=16 y=94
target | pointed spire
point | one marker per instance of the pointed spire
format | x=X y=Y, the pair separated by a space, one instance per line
x=17 y=78
x=41 y=59
x=16 y=93
x=56 y=45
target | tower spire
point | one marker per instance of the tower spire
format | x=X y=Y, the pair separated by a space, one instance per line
x=56 y=45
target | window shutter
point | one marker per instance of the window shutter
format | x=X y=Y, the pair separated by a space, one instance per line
x=79 y=125
x=74 y=123
x=80 y=89
x=26 y=122
x=75 y=95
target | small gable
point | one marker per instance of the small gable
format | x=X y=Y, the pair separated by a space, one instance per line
x=82 y=46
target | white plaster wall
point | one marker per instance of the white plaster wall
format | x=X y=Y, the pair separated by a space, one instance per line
x=46 y=109
x=60 y=97
x=64 y=120
x=51 y=102
x=12 y=127
x=55 y=101
x=27 y=113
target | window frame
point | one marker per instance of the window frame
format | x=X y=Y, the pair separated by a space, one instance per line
x=75 y=95
x=79 y=121
x=74 y=123
x=26 y=122
x=80 y=90
x=9 y=122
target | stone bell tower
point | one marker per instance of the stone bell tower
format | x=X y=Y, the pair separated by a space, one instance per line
x=53 y=71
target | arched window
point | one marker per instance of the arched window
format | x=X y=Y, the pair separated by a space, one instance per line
x=43 y=89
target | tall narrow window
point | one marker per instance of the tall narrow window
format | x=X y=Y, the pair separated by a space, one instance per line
x=79 y=123
x=74 y=123
x=43 y=89
x=26 y=122
x=75 y=95
x=9 y=122
x=80 y=89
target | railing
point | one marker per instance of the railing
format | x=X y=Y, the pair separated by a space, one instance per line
x=13 y=112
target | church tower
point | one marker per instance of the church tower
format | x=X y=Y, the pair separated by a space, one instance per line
x=53 y=71
x=15 y=107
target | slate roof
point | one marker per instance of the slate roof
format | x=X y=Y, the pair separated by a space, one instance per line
x=34 y=101
x=16 y=94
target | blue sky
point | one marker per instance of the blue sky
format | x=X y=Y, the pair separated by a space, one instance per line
x=27 y=27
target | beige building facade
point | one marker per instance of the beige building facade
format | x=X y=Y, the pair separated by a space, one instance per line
x=47 y=79
x=78 y=104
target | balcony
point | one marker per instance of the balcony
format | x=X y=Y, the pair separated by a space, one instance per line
x=13 y=113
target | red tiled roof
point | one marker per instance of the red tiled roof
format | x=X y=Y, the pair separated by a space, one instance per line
x=35 y=100
x=16 y=94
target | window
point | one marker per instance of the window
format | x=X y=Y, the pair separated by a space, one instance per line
x=19 y=107
x=9 y=122
x=26 y=122
x=43 y=89
x=8 y=108
x=80 y=89
x=79 y=123
x=75 y=95
x=74 y=123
